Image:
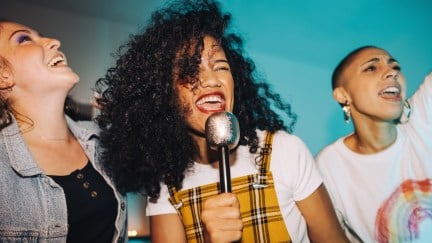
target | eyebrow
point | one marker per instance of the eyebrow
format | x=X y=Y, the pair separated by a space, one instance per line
x=376 y=59
x=221 y=60
x=17 y=31
x=25 y=31
x=391 y=60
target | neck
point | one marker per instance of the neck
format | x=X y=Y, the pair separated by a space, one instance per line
x=46 y=127
x=205 y=154
x=372 y=139
x=66 y=138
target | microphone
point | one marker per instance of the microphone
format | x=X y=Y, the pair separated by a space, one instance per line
x=222 y=134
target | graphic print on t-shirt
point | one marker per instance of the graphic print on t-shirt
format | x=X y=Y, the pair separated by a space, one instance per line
x=406 y=216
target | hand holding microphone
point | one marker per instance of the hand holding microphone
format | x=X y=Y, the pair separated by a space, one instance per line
x=222 y=212
x=223 y=133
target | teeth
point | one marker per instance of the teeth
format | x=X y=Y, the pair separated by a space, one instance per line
x=55 y=61
x=392 y=89
x=210 y=98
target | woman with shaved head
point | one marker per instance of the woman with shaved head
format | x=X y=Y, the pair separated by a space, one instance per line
x=380 y=175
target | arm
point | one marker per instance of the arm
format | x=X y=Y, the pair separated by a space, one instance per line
x=222 y=219
x=421 y=102
x=167 y=228
x=321 y=220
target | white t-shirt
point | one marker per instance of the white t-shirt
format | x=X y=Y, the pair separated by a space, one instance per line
x=294 y=173
x=386 y=196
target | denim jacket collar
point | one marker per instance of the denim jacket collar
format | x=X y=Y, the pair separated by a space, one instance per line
x=15 y=145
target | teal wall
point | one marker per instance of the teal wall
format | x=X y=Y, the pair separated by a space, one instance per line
x=296 y=45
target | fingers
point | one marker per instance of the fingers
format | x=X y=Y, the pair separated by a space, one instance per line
x=222 y=218
x=96 y=96
x=222 y=200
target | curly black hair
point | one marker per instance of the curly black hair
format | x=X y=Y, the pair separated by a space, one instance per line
x=144 y=134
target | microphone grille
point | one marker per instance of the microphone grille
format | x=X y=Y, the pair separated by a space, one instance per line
x=222 y=129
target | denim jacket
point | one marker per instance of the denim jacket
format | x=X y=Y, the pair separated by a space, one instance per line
x=32 y=206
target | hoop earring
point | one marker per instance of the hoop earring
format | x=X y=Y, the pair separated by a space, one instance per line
x=346 y=112
x=406 y=113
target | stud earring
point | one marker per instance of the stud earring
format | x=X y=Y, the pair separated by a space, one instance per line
x=406 y=113
x=346 y=111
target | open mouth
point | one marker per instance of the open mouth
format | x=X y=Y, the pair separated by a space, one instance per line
x=211 y=103
x=390 y=92
x=57 y=61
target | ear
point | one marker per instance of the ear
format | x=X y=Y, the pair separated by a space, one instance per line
x=6 y=79
x=341 y=96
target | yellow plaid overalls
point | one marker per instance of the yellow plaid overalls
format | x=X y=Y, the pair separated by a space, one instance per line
x=262 y=219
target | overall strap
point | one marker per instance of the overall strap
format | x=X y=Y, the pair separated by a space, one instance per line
x=266 y=158
x=261 y=214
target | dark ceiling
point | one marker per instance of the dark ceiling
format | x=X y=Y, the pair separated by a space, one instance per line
x=130 y=12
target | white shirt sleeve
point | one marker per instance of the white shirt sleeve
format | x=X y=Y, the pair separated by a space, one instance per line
x=162 y=205
x=293 y=163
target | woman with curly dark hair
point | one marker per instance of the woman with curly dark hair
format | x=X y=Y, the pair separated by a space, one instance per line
x=167 y=81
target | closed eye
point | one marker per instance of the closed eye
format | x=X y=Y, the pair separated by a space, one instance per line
x=222 y=69
x=221 y=65
x=370 y=68
x=397 y=68
x=24 y=38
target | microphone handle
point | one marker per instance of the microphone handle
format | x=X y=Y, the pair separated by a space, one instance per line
x=224 y=169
